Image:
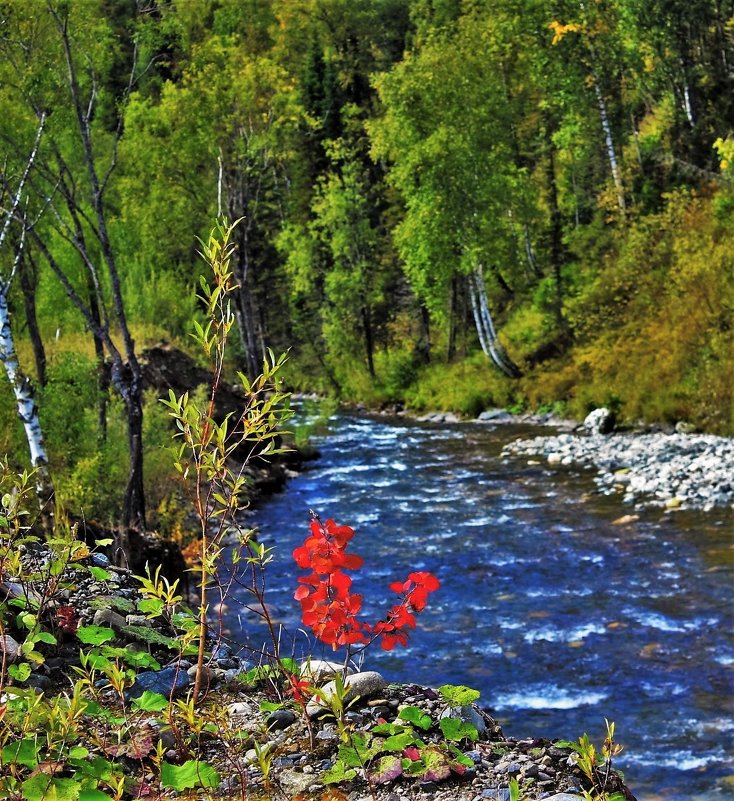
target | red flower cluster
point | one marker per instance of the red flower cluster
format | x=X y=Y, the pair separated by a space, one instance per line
x=329 y=608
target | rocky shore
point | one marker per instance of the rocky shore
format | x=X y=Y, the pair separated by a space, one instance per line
x=391 y=742
x=669 y=469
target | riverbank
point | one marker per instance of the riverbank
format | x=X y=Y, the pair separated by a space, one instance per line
x=249 y=737
x=651 y=467
x=668 y=470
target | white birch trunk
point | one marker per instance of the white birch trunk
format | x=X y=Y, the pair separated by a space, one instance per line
x=687 y=105
x=529 y=252
x=21 y=385
x=488 y=339
x=22 y=388
x=609 y=142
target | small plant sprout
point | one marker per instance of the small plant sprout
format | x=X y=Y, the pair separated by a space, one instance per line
x=205 y=455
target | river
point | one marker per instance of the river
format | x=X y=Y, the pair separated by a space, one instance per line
x=559 y=616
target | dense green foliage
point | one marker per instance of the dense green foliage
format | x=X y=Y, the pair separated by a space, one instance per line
x=393 y=163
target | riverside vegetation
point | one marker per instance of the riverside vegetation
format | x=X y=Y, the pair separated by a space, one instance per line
x=446 y=205
x=108 y=722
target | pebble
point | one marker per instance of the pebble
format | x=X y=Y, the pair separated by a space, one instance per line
x=318 y=671
x=673 y=471
x=280 y=719
x=108 y=617
x=9 y=647
x=365 y=685
x=467 y=714
x=159 y=681
x=563 y=797
x=100 y=560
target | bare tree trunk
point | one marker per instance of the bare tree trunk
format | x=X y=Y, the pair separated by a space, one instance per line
x=126 y=374
x=423 y=346
x=369 y=344
x=485 y=327
x=609 y=143
x=103 y=379
x=27 y=409
x=451 y=345
x=28 y=277
x=21 y=385
x=133 y=510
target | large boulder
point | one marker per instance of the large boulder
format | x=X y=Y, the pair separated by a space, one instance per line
x=600 y=421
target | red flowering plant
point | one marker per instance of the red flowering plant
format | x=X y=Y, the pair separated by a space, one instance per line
x=330 y=609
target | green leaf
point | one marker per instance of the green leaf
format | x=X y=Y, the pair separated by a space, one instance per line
x=24 y=752
x=151 y=606
x=95 y=635
x=43 y=788
x=151 y=702
x=98 y=661
x=99 y=768
x=437 y=764
x=270 y=706
x=92 y=794
x=399 y=742
x=458 y=694
x=416 y=716
x=388 y=769
x=45 y=636
x=338 y=773
x=357 y=752
x=291 y=666
x=137 y=659
x=456 y=730
x=99 y=573
x=192 y=773
x=19 y=672
x=387 y=728
x=78 y=752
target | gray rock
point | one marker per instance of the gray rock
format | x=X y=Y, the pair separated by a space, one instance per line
x=495 y=794
x=563 y=797
x=600 y=421
x=280 y=719
x=108 y=617
x=166 y=681
x=693 y=469
x=294 y=783
x=10 y=648
x=39 y=681
x=208 y=676
x=363 y=685
x=466 y=714
x=100 y=560
x=495 y=416
x=243 y=708
x=317 y=671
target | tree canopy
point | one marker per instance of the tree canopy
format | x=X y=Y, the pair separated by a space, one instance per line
x=417 y=181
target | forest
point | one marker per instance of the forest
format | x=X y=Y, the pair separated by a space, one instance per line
x=441 y=205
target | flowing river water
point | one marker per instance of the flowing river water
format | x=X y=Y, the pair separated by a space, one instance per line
x=559 y=616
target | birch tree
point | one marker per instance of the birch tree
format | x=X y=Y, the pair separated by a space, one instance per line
x=590 y=31
x=54 y=59
x=20 y=382
x=467 y=201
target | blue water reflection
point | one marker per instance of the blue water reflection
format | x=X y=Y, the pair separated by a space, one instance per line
x=558 y=616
